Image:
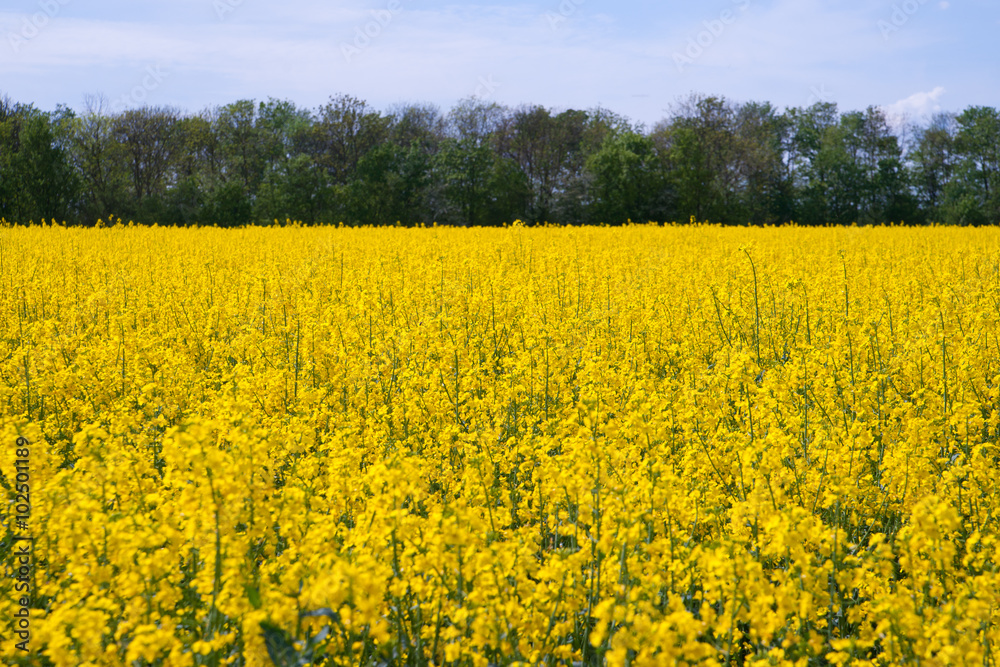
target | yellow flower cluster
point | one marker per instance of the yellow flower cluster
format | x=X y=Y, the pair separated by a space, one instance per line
x=520 y=446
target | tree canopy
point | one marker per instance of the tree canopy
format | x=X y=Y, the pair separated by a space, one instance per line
x=482 y=163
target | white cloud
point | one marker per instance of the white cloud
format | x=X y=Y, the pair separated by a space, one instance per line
x=414 y=54
x=944 y=5
x=790 y=52
x=786 y=50
x=918 y=106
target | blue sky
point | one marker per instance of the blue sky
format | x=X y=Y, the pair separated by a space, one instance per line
x=913 y=57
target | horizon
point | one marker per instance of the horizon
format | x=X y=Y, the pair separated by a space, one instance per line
x=636 y=60
x=897 y=122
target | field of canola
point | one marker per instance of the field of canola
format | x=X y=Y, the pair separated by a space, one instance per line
x=519 y=446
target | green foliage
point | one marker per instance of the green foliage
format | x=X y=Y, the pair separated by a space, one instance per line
x=627 y=181
x=36 y=178
x=228 y=205
x=973 y=195
x=485 y=164
x=476 y=186
x=388 y=186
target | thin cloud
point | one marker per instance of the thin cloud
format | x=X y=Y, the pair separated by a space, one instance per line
x=385 y=51
x=917 y=107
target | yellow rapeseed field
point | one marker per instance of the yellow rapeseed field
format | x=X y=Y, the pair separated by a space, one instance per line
x=520 y=446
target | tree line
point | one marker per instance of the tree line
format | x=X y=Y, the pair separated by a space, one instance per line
x=482 y=163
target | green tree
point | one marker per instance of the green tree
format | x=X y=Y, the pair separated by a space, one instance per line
x=296 y=189
x=849 y=169
x=885 y=192
x=475 y=186
x=809 y=129
x=36 y=178
x=346 y=129
x=99 y=160
x=763 y=182
x=149 y=143
x=390 y=185
x=417 y=124
x=973 y=194
x=699 y=144
x=195 y=171
x=628 y=182
x=293 y=186
x=227 y=206
x=473 y=182
x=933 y=164
x=548 y=149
